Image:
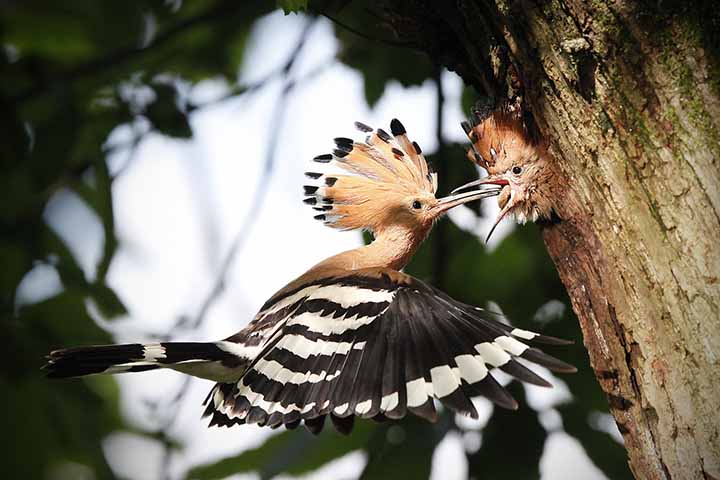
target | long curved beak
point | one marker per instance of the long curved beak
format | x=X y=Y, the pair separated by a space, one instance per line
x=508 y=206
x=446 y=203
x=489 y=180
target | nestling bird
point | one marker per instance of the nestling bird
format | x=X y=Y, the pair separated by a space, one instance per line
x=353 y=336
x=502 y=146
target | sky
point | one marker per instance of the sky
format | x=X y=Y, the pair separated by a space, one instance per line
x=180 y=206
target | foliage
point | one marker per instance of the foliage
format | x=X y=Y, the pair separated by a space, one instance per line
x=68 y=69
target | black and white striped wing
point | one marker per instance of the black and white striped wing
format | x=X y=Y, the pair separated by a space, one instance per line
x=376 y=346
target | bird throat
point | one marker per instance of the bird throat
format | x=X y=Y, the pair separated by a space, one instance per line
x=392 y=248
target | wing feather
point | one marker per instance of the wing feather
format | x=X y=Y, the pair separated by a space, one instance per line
x=376 y=344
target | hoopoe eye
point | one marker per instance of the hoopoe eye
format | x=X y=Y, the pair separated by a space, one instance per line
x=517 y=170
x=417 y=205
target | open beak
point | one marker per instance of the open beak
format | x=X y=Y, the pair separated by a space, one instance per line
x=446 y=203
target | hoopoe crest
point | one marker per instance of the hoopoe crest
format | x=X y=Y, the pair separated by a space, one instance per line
x=383 y=183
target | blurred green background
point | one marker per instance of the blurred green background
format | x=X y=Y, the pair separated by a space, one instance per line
x=76 y=73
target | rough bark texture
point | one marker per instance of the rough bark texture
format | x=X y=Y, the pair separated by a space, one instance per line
x=628 y=97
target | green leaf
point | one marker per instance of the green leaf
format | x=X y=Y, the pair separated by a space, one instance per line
x=107 y=301
x=165 y=114
x=293 y=6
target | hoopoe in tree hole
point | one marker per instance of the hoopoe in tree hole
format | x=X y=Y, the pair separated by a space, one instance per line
x=502 y=146
x=353 y=336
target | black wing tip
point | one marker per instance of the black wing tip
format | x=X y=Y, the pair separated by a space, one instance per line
x=543 y=384
x=426 y=411
x=502 y=398
x=568 y=369
x=472 y=413
x=547 y=361
x=524 y=374
x=315 y=425
x=505 y=400
x=343 y=425
x=397 y=128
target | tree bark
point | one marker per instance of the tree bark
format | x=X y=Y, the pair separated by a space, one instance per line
x=628 y=97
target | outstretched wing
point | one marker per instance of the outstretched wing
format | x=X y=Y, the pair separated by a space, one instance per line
x=376 y=344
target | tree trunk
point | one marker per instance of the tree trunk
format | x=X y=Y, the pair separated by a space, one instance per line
x=628 y=97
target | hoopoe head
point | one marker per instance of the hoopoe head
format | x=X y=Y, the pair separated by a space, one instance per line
x=502 y=146
x=380 y=184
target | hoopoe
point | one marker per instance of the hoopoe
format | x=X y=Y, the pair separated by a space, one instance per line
x=502 y=146
x=353 y=336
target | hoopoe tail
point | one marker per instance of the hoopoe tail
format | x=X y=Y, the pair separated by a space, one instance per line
x=218 y=361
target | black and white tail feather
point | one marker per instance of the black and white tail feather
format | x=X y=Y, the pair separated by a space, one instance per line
x=218 y=361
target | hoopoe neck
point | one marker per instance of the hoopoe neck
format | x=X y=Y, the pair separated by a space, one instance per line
x=393 y=247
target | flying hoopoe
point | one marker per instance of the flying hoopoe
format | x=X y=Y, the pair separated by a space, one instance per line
x=353 y=336
x=502 y=146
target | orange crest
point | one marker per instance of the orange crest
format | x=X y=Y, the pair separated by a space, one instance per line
x=498 y=138
x=374 y=180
